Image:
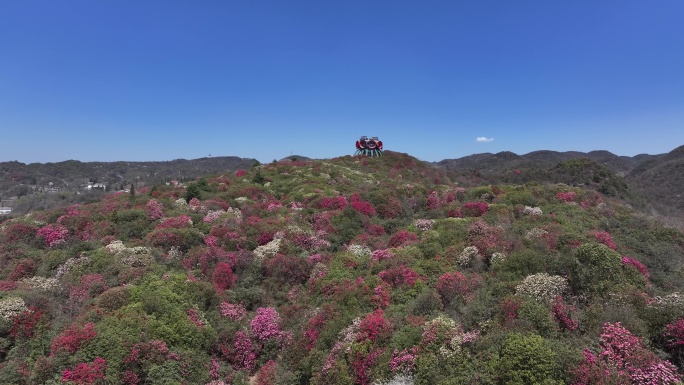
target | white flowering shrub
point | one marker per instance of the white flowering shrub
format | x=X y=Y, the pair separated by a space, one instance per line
x=268 y=250
x=138 y=256
x=424 y=224
x=467 y=255
x=235 y=213
x=542 y=287
x=11 y=306
x=70 y=263
x=532 y=210
x=180 y=203
x=398 y=379
x=497 y=258
x=535 y=233
x=241 y=199
x=39 y=283
x=673 y=299
x=175 y=253
x=359 y=251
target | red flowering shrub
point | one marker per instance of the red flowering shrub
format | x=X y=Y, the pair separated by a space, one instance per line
x=629 y=261
x=566 y=196
x=674 y=338
x=452 y=285
x=474 y=209
x=509 y=308
x=402 y=238
x=315 y=325
x=288 y=269
x=25 y=268
x=267 y=374
x=375 y=230
x=142 y=357
x=24 y=324
x=7 y=285
x=73 y=338
x=53 y=234
x=332 y=203
x=362 y=363
x=361 y=206
x=223 y=277
x=399 y=276
x=563 y=314
x=20 y=232
x=605 y=238
x=84 y=373
x=391 y=209
x=374 y=326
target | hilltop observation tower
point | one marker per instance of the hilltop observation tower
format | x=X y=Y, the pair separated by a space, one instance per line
x=368 y=147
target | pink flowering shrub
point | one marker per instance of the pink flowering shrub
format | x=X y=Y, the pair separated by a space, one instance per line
x=629 y=261
x=623 y=356
x=402 y=238
x=240 y=173
x=53 y=234
x=381 y=255
x=566 y=196
x=399 y=276
x=86 y=373
x=195 y=317
x=235 y=312
x=605 y=238
x=241 y=355
x=433 y=201
x=179 y=222
x=266 y=324
x=154 y=210
x=404 y=361
x=73 y=338
x=361 y=206
x=381 y=297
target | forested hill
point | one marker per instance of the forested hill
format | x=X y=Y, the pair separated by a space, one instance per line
x=351 y=270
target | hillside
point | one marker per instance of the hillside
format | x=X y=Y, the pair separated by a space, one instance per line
x=661 y=180
x=350 y=270
x=48 y=185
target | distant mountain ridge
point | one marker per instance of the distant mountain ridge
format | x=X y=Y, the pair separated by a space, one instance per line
x=489 y=162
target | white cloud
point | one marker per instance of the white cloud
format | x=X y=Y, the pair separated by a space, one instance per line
x=482 y=139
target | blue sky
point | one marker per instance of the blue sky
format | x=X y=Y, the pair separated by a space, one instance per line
x=160 y=80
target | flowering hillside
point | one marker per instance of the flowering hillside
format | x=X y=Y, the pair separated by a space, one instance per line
x=352 y=270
